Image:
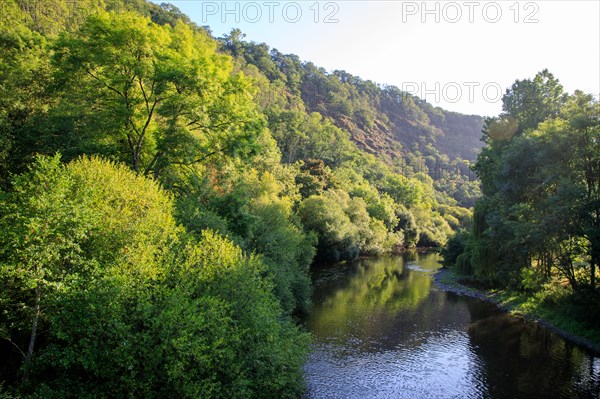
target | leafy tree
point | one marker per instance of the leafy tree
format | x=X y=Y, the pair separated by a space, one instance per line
x=532 y=101
x=161 y=95
x=109 y=298
x=63 y=226
x=24 y=74
x=258 y=214
x=539 y=179
x=314 y=177
x=344 y=227
x=209 y=327
x=271 y=350
x=326 y=216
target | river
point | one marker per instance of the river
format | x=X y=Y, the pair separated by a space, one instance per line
x=382 y=329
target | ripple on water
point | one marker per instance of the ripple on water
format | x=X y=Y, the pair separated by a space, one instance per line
x=442 y=367
x=382 y=331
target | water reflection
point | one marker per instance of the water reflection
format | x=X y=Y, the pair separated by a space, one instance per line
x=525 y=357
x=356 y=302
x=382 y=330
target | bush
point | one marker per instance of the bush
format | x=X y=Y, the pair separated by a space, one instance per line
x=130 y=306
x=454 y=248
x=257 y=214
x=408 y=225
x=287 y=252
x=325 y=215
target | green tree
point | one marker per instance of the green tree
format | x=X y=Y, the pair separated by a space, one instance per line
x=66 y=225
x=105 y=296
x=161 y=95
x=539 y=175
x=326 y=216
x=24 y=74
x=532 y=101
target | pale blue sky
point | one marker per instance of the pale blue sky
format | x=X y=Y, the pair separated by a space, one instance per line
x=458 y=55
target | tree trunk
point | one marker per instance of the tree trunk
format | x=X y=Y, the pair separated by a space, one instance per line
x=32 y=338
x=593 y=272
x=136 y=161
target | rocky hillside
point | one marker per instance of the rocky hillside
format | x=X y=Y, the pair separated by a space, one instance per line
x=401 y=129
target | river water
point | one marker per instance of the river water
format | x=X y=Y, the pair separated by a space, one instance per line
x=382 y=329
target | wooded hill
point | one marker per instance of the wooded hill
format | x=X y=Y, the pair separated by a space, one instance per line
x=397 y=127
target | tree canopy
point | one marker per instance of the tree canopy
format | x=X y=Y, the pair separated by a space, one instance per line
x=536 y=227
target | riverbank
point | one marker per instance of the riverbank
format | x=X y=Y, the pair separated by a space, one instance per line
x=521 y=305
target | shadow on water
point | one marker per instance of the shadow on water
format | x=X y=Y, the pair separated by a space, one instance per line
x=383 y=330
x=524 y=359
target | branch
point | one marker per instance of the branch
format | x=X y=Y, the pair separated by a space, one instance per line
x=131 y=146
x=103 y=82
x=17 y=347
x=154 y=160
x=216 y=126
x=144 y=94
x=198 y=160
x=143 y=133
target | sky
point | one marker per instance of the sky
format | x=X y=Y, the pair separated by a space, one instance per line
x=459 y=55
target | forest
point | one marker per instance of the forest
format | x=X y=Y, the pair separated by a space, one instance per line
x=164 y=193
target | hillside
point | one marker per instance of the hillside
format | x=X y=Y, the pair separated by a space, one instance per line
x=400 y=129
x=166 y=195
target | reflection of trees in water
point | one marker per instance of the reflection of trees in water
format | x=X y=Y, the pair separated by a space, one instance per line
x=523 y=359
x=381 y=304
x=363 y=305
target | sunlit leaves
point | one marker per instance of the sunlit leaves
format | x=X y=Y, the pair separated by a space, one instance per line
x=159 y=95
x=130 y=305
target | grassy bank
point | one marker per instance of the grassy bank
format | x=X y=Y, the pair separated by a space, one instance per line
x=551 y=308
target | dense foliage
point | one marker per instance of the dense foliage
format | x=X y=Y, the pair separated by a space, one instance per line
x=405 y=131
x=537 y=226
x=129 y=305
x=163 y=194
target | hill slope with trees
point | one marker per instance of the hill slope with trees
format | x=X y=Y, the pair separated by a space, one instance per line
x=399 y=128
